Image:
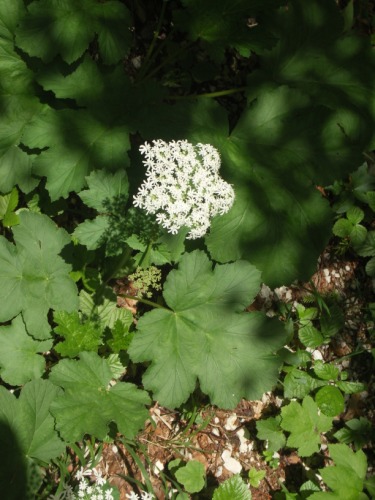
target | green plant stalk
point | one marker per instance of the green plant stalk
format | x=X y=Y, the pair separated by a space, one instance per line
x=148 y=59
x=144 y=301
x=139 y=463
x=212 y=95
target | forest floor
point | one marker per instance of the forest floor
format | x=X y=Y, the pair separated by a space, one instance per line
x=225 y=442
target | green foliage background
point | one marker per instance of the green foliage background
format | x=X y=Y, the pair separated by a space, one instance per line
x=82 y=85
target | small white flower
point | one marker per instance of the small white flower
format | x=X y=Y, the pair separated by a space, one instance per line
x=79 y=474
x=147 y=496
x=133 y=496
x=183 y=186
x=83 y=484
x=108 y=495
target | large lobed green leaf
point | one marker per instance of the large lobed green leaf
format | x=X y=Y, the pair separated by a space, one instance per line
x=17 y=103
x=221 y=24
x=30 y=420
x=279 y=221
x=305 y=424
x=66 y=27
x=19 y=358
x=33 y=276
x=90 y=402
x=316 y=55
x=77 y=143
x=205 y=335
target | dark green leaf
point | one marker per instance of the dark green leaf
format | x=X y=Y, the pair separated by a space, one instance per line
x=203 y=337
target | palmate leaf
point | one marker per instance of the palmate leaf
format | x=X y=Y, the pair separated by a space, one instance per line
x=222 y=24
x=53 y=27
x=335 y=68
x=19 y=358
x=346 y=478
x=206 y=337
x=277 y=208
x=33 y=276
x=30 y=420
x=17 y=103
x=102 y=187
x=305 y=425
x=233 y=488
x=90 y=403
x=79 y=335
x=77 y=144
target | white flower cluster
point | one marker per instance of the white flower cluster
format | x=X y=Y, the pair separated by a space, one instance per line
x=87 y=491
x=183 y=186
x=144 y=496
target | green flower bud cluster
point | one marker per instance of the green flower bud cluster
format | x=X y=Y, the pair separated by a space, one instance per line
x=145 y=281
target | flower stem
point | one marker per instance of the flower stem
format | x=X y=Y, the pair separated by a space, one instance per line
x=148 y=58
x=219 y=93
x=144 y=301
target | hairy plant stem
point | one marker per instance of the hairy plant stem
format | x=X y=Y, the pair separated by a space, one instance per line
x=144 y=301
x=219 y=93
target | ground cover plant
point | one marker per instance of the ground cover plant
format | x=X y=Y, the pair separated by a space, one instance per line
x=162 y=165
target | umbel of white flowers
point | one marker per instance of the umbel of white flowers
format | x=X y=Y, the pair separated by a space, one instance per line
x=183 y=186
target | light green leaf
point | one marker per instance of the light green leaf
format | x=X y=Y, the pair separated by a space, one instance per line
x=8 y=203
x=29 y=418
x=305 y=425
x=19 y=358
x=120 y=336
x=355 y=215
x=104 y=186
x=350 y=387
x=298 y=384
x=330 y=401
x=33 y=276
x=53 y=27
x=232 y=488
x=79 y=335
x=203 y=338
x=104 y=308
x=255 y=477
x=310 y=336
x=270 y=430
x=91 y=232
x=358 y=235
x=192 y=476
x=346 y=477
x=90 y=403
x=326 y=371
x=342 y=228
